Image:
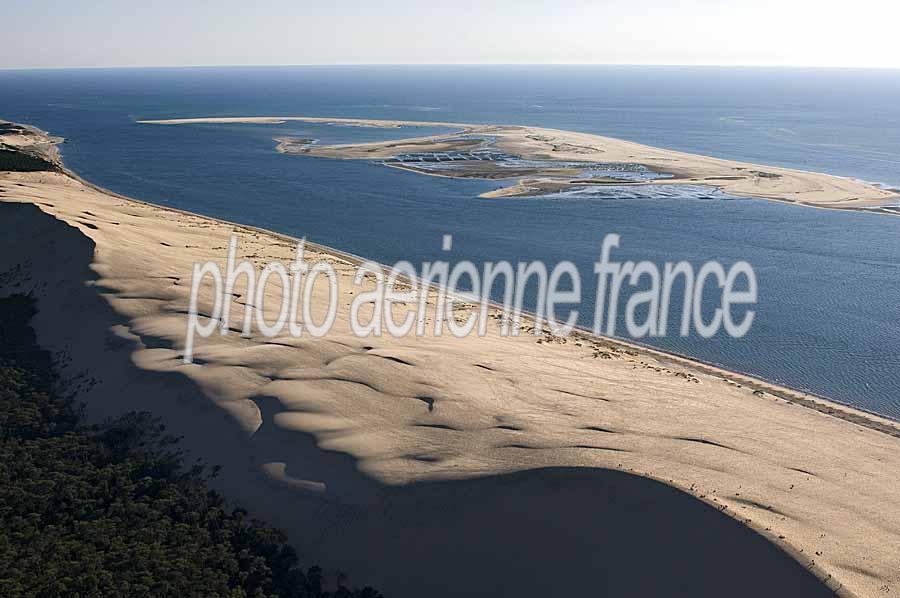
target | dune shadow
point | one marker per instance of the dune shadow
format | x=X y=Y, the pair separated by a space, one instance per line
x=562 y=532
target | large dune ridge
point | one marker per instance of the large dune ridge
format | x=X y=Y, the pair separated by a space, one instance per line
x=537 y=143
x=438 y=466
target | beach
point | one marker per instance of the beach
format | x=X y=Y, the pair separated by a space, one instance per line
x=404 y=448
x=557 y=146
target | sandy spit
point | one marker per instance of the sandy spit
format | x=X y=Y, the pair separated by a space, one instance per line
x=738 y=178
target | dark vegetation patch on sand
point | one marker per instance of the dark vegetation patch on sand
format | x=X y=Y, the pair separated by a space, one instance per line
x=19 y=161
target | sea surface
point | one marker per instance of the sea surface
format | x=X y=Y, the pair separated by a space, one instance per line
x=828 y=318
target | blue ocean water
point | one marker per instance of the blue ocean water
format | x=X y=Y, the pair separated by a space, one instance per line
x=828 y=318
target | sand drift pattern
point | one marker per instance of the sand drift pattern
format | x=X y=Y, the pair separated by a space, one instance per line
x=463 y=293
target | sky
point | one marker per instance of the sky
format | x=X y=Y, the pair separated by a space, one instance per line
x=95 y=33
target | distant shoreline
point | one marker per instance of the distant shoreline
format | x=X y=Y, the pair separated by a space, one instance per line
x=552 y=146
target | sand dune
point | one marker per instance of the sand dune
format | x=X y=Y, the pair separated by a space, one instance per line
x=446 y=467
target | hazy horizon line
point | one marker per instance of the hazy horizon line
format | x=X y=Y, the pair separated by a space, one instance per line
x=449 y=64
